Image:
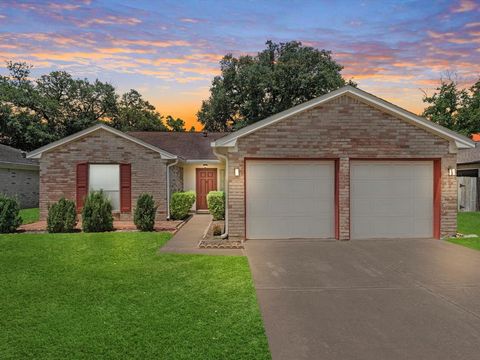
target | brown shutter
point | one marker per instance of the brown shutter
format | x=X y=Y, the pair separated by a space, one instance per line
x=82 y=184
x=125 y=187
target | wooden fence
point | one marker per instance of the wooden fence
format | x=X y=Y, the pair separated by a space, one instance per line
x=468 y=193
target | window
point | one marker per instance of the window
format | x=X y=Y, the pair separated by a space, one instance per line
x=106 y=177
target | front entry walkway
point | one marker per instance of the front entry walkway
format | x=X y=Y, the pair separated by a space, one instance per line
x=186 y=240
x=368 y=299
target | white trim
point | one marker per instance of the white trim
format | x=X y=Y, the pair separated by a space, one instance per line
x=461 y=141
x=36 y=154
x=195 y=162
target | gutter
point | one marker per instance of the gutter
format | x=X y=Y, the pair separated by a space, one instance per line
x=225 y=233
x=168 y=186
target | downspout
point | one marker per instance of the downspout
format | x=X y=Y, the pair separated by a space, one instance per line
x=225 y=233
x=168 y=186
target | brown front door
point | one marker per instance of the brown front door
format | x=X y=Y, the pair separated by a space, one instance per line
x=206 y=182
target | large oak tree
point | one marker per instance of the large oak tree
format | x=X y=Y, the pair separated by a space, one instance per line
x=251 y=88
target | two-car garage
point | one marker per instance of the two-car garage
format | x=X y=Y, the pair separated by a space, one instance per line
x=300 y=199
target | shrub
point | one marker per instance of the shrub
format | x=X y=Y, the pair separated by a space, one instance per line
x=217 y=230
x=10 y=219
x=62 y=216
x=144 y=216
x=180 y=204
x=97 y=213
x=216 y=204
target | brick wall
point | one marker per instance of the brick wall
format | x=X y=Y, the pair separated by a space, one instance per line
x=343 y=128
x=58 y=169
x=20 y=183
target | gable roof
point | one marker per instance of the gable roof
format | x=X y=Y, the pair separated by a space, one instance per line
x=469 y=156
x=12 y=156
x=36 y=154
x=461 y=141
x=187 y=145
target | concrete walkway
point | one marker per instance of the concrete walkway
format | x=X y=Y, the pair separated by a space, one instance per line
x=186 y=240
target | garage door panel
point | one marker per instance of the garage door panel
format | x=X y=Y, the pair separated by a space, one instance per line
x=391 y=199
x=289 y=199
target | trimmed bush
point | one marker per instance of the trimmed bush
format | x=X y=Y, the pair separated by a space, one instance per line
x=180 y=204
x=97 y=213
x=216 y=204
x=10 y=219
x=144 y=216
x=62 y=216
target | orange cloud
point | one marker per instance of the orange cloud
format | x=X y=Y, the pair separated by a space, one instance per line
x=124 y=50
x=160 y=44
x=111 y=19
x=464 y=6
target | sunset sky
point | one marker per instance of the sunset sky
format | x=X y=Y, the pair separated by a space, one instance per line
x=169 y=50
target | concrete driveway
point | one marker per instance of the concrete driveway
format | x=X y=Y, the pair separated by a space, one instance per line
x=369 y=299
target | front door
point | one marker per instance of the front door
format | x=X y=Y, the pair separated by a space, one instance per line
x=206 y=182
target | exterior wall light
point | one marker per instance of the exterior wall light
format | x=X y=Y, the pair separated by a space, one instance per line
x=452 y=171
x=236 y=171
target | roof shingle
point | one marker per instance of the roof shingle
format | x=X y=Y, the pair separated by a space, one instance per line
x=187 y=145
x=10 y=155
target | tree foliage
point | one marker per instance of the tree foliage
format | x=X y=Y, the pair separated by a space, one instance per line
x=251 y=88
x=175 y=124
x=35 y=112
x=454 y=108
x=135 y=113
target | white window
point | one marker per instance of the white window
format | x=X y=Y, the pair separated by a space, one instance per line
x=106 y=177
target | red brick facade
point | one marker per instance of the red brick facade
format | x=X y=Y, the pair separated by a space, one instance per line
x=344 y=128
x=58 y=169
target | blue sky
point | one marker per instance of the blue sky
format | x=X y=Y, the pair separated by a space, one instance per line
x=169 y=50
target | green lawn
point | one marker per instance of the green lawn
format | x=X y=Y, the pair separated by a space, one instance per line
x=468 y=223
x=29 y=215
x=111 y=296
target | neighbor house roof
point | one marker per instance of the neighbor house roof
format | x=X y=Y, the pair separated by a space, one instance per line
x=35 y=154
x=461 y=141
x=468 y=156
x=11 y=156
x=187 y=145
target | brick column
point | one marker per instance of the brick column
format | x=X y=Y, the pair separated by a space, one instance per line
x=448 y=221
x=344 y=197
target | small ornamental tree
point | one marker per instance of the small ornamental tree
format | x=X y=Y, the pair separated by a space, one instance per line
x=10 y=219
x=144 y=216
x=62 y=216
x=97 y=213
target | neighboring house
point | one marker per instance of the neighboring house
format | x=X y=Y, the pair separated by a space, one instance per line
x=344 y=165
x=18 y=176
x=468 y=165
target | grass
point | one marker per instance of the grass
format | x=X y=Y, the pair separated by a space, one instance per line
x=468 y=223
x=112 y=296
x=29 y=215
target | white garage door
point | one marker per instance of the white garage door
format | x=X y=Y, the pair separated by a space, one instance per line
x=290 y=199
x=391 y=199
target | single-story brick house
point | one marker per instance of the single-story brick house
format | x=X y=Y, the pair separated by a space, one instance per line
x=18 y=176
x=346 y=165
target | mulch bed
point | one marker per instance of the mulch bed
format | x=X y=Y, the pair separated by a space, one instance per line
x=210 y=241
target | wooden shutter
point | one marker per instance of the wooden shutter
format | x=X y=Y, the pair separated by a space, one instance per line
x=125 y=187
x=82 y=184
